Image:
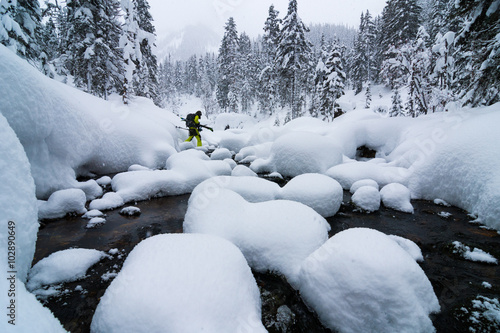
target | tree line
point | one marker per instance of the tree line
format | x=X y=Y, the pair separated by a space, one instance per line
x=440 y=51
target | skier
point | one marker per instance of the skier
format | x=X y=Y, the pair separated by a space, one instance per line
x=193 y=123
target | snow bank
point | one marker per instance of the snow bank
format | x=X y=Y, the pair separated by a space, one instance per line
x=181 y=283
x=62 y=202
x=66 y=132
x=273 y=235
x=62 y=266
x=361 y=280
x=462 y=167
x=18 y=203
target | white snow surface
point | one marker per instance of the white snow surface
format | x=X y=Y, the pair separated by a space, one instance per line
x=273 y=235
x=367 y=198
x=66 y=132
x=31 y=315
x=18 y=203
x=62 y=266
x=62 y=202
x=181 y=283
x=361 y=280
x=363 y=182
x=397 y=196
x=317 y=191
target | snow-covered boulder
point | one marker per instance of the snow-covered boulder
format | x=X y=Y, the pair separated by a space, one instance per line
x=234 y=140
x=367 y=198
x=242 y=171
x=63 y=266
x=181 y=283
x=62 y=202
x=349 y=173
x=18 y=204
x=110 y=200
x=296 y=153
x=252 y=189
x=91 y=188
x=185 y=171
x=361 y=280
x=273 y=235
x=221 y=154
x=397 y=196
x=363 y=182
x=320 y=192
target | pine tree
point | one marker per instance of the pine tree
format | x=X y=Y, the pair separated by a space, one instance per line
x=478 y=51
x=333 y=85
x=20 y=27
x=91 y=41
x=246 y=73
x=397 y=104
x=141 y=69
x=319 y=78
x=268 y=74
x=293 y=60
x=147 y=86
x=227 y=95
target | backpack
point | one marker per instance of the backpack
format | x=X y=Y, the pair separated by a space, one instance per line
x=190 y=120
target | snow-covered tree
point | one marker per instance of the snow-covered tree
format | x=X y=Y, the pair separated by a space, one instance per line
x=364 y=64
x=91 y=42
x=293 y=60
x=397 y=104
x=478 y=51
x=333 y=84
x=246 y=76
x=227 y=95
x=443 y=71
x=20 y=27
x=140 y=65
x=268 y=76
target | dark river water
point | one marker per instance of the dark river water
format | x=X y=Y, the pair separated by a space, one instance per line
x=456 y=281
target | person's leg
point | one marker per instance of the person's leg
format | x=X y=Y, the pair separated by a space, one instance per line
x=198 y=138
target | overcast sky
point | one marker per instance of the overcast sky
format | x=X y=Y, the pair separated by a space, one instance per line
x=250 y=15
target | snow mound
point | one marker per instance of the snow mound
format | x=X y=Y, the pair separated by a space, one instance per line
x=185 y=171
x=367 y=198
x=62 y=266
x=397 y=196
x=317 y=191
x=181 y=283
x=320 y=192
x=221 y=154
x=349 y=173
x=361 y=280
x=409 y=246
x=295 y=153
x=363 y=182
x=62 y=202
x=242 y=171
x=252 y=189
x=234 y=140
x=273 y=235
x=18 y=204
x=91 y=188
x=110 y=200
x=463 y=168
